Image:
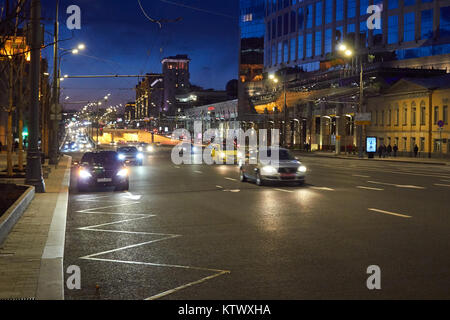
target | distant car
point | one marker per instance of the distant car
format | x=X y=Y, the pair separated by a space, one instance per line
x=102 y=169
x=146 y=147
x=130 y=155
x=287 y=169
x=221 y=154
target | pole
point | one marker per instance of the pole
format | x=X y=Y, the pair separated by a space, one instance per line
x=53 y=154
x=361 y=103
x=285 y=112
x=34 y=169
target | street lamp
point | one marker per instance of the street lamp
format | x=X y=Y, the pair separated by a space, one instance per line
x=348 y=52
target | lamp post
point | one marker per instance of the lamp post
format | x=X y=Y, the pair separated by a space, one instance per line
x=34 y=167
x=285 y=110
x=348 y=52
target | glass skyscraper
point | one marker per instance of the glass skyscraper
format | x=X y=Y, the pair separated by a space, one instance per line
x=305 y=32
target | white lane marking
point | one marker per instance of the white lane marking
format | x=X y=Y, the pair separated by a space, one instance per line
x=283 y=190
x=231 y=179
x=442 y=185
x=390 y=213
x=322 y=188
x=165 y=236
x=360 y=176
x=130 y=196
x=163 y=294
x=233 y=191
x=177 y=167
x=220 y=187
x=199 y=172
x=397 y=185
x=368 y=188
x=445 y=180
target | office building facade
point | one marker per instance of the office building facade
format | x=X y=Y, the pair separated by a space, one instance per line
x=408 y=33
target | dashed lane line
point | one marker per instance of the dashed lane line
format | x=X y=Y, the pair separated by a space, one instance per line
x=369 y=188
x=397 y=185
x=390 y=213
x=442 y=185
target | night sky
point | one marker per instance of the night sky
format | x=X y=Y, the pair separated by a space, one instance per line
x=120 y=40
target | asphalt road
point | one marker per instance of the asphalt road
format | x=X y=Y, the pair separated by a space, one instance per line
x=196 y=232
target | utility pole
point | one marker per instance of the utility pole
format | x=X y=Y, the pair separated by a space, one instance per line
x=53 y=154
x=34 y=169
x=361 y=106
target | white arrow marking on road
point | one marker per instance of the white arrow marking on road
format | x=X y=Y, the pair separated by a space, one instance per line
x=368 y=188
x=397 y=185
x=390 y=213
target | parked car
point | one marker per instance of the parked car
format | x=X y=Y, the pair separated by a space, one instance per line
x=287 y=169
x=102 y=169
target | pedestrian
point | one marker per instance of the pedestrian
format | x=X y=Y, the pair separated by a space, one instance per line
x=1 y=146
x=16 y=146
x=384 y=150
x=380 y=151
x=395 y=150
x=389 y=150
x=416 y=150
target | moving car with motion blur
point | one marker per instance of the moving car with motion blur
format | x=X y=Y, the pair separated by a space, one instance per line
x=130 y=155
x=222 y=154
x=102 y=169
x=287 y=169
x=146 y=147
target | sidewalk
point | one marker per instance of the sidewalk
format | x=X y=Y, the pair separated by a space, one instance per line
x=324 y=154
x=31 y=256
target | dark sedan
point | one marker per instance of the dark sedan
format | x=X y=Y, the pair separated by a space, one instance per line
x=102 y=169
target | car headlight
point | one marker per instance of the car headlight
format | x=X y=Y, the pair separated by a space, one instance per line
x=140 y=156
x=301 y=169
x=121 y=157
x=122 y=172
x=140 y=149
x=150 y=149
x=269 y=170
x=84 y=174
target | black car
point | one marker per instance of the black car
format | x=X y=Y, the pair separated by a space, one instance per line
x=102 y=169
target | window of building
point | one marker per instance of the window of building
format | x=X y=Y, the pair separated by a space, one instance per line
x=274 y=29
x=392 y=4
x=375 y=118
x=389 y=117
x=445 y=114
x=309 y=45
x=422 y=113
x=319 y=13
x=444 y=23
x=426 y=25
x=405 y=116
x=292 y=46
x=339 y=10
x=409 y=2
x=413 y=114
x=309 y=16
x=397 y=115
x=285 y=51
x=301 y=18
x=436 y=115
x=422 y=144
x=280 y=26
x=300 y=47
x=279 y=54
x=318 y=47
x=351 y=8
x=328 y=41
x=405 y=144
x=363 y=5
x=293 y=21
x=392 y=29
x=328 y=11
x=286 y=24
x=274 y=55
x=409 y=26
x=363 y=33
x=382 y=118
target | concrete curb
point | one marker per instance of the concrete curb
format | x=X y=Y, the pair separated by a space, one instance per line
x=51 y=277
x=384 y=160
x=15 y=212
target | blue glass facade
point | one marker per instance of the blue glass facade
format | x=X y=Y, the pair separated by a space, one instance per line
x=410 y=28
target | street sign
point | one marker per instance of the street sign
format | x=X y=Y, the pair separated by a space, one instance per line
x=440 y=124
x=363 y=119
